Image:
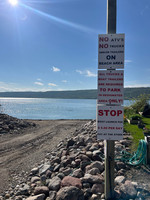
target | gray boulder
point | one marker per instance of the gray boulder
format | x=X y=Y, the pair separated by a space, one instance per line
x=70 y=193
x=24 y=190
x=52 y=195
x=44 y=169
x=88 y=178
x=128 y=190
x=120 y=179
x=97 y=164
x=34 y=179
x=54 y=183
x=98 y=188
x=41 y=190
x=37 y=197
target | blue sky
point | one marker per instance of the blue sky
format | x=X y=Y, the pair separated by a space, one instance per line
x=53 y=44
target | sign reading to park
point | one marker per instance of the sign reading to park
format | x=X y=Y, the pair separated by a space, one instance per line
x=110 y=87
x=109 y=122
x=111 y=51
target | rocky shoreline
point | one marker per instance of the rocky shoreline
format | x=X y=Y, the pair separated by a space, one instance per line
x=13 y=125
x=74 y=170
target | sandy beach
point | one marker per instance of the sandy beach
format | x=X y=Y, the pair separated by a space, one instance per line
x=21 y=152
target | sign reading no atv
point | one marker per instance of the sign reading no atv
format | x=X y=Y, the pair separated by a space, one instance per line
x=111 y=51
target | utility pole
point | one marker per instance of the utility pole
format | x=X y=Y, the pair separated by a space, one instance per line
x=109 y=144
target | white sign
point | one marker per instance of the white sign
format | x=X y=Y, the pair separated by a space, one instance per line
x=111 y=51
x=109 y=122
x=110 y=87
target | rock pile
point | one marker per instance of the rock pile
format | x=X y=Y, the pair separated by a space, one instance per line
x=75 y=171
x=11 y=125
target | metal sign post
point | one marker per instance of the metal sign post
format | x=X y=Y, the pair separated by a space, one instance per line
x=109 y=144
x=110 y=93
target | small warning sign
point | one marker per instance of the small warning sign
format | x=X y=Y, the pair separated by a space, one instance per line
x=109 y=122
x=111 y=51
x=110 y=87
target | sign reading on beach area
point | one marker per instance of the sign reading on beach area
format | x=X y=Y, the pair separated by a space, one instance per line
x=110 y=122
x=111 y=51
x=110 y=87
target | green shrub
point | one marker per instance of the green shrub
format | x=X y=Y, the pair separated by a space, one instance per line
x=128 y=112
x=140 y=103
x=135 y=132
x=135 y=117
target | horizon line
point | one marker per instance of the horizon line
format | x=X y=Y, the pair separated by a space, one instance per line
x=66 y=90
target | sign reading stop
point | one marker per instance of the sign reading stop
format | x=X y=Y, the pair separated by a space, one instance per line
x=110 y=122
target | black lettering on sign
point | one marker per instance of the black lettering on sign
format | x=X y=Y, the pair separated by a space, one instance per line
x=111 y=57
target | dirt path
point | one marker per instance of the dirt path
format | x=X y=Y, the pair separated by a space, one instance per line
x=21 y=152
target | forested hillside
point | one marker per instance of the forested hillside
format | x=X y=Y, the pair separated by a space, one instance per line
x=129 y=93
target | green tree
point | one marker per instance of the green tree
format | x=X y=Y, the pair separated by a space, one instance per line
x=140 y=103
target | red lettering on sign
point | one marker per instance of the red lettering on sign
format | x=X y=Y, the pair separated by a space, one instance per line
x=103 y=89
x=100 y=112
x=106 y=112
x=103 y=46
x=119 y=112
x=113 y=113
x=103 y=39
x=114 y=90
x=109 y=112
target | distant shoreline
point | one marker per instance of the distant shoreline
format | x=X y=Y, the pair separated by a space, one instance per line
x=129 y=93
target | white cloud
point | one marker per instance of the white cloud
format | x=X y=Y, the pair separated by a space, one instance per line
x=128 y=61
x=38 y=83
x=8 y=87
x=52 y=84
x=79 y=71
x=39 y=79
x=87 y=73
x=90 y=74
x=137 y=85
x=64 y=81
x=14 y=87
x=55 y=69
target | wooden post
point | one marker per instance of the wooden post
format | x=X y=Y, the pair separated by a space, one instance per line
x=109 y=145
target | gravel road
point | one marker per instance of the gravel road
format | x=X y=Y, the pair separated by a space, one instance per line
x=21 y=152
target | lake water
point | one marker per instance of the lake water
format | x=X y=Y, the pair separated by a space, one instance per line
x=36 y=108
